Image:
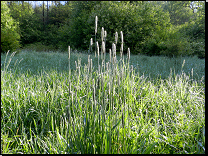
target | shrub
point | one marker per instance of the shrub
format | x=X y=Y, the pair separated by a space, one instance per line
x=39 y=47
x=151 y=47
x=198 y=49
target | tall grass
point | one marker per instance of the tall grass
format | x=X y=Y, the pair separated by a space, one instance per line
x=89 y=104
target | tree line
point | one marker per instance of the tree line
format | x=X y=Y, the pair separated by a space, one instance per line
x=170 y=28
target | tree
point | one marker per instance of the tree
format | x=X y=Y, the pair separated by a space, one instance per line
x=9 y=30
x=30 y=22
x=79 y=26
x=180 y=11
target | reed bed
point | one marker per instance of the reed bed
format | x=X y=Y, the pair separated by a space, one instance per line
x=102 y=103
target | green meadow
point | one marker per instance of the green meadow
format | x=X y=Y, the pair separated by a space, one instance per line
x=53 y=104
x=102 y=100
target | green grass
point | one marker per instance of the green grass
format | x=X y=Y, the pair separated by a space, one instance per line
x=158 y=106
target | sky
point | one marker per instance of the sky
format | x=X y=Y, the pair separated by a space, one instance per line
x=41 y=2
x=50 y=2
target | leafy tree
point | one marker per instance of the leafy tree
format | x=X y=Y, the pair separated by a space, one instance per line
x=29 y=24
x=58 y=14
x=77 y=28
x=180 y=11
x=57 y=29
x=194 y=31
x=9 y=30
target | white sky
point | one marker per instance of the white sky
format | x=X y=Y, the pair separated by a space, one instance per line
x=41 y=2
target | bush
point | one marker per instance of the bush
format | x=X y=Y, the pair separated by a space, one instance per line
x=151 y=47
x=198 y=49
x=39 y=47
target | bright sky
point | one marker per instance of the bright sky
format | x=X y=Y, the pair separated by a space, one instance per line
x=41 y=2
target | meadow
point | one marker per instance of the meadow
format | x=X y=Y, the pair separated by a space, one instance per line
x=101 y=103
x=53 y=104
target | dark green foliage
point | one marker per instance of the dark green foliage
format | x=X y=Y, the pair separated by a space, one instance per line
x=139 y=22
x=152 y=48
x=29 y=23
x=57 y=15
x=170 y=28
x=39 y=46
x=79 y=29
x=180 y=11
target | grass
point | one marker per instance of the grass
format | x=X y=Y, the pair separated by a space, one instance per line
x=55 y=104
x=119 y=110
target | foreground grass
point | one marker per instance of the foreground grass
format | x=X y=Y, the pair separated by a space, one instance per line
x=146 y=105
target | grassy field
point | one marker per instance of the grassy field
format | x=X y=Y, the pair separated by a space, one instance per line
x=143 y=105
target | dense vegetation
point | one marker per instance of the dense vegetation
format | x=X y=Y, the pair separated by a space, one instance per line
x=152 y=28
x=96 y=102
x=142 y=105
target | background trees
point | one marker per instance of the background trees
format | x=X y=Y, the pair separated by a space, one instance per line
x=9 y=29
x=152 y=28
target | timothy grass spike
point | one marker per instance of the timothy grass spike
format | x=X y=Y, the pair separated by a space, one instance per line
x=96 y=20
x=128 y=54
x=102 y=34
x=116 y=37
x=121 y=51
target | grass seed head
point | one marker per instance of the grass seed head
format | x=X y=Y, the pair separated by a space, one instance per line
x=183 y=64
x=114 y=49
x=116 y=37
x=103 y=47
x=96 y=20
x=97 y=48
x=128 y=53
x=121 y=37
x=69 y=51
x=91 y=42
x=102 y=34
x=121 y=49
